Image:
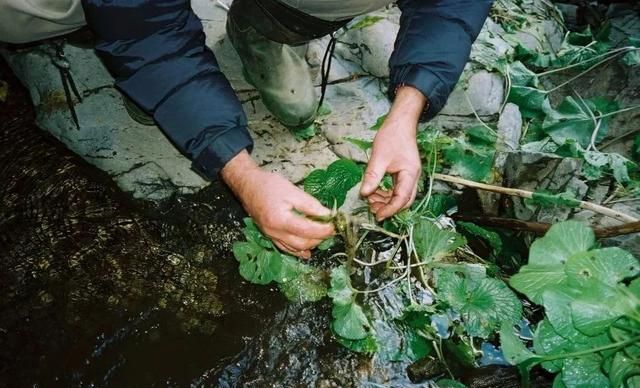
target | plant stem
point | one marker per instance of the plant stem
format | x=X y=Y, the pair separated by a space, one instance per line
x=617 y=111
x=475 y=113
x=626 y=328
x=618 y=138
x=582 y=73
x=614 y=345
x=612 y=52
x=528 y=194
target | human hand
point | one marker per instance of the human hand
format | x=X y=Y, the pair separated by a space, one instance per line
x=271 y=201
x=395 y=151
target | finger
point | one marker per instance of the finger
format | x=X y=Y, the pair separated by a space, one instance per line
x=308 y=205
x=373 y=175
x=401 y=195
x=375 y=197
x=375 y=207
x=303 y=227
x=297 y=243
x=413 y=197
x=384 y=193
x=290 y=250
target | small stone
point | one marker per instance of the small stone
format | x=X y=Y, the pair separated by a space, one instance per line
x=486 y=92
x=510 y=127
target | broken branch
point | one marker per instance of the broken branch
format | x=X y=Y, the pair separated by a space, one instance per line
x=529 y=194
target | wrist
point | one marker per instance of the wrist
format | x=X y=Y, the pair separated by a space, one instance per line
x=408 y=105
x=238 y=171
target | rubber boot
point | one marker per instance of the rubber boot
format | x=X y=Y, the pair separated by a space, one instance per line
x=279 y=72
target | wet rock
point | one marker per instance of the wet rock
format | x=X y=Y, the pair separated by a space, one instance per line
x=108 y=138
x=362 y=103
x=542 y=172
x=370 y=47
x=510 y=127
x=483 y=92
x=630 y=243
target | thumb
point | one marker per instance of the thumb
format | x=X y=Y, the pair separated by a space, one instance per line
x=372 y=176
x=308 y=205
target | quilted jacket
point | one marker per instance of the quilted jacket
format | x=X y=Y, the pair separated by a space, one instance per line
x=156 y=51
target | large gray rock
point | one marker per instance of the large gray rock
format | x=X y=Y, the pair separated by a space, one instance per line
x=483 y=93
x=370 y=47
x=542 y=172
x=510 y=127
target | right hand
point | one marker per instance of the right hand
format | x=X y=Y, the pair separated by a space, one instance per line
x=271 y=200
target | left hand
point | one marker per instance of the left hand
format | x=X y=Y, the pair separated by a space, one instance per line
x=395 y=151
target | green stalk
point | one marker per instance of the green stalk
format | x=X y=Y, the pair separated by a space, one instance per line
x=617 y=111
x=583 y=73
x=612 y=53
x=616 y=345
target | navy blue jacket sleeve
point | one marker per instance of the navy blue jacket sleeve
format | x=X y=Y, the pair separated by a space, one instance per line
x=433 y=46
x=156 y=51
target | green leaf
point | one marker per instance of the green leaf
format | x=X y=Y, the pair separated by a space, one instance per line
x=598 y=306
x=308 y=286
x=482 y=304
x=548 y=256
x=417 y=316
x=491 y=237
x=619 y=166
x=562 y=241
x=261 y=263
x=305 y=133
x=364 y=145
x=448 y=383
x=558 y=310
x=530 y=100
x=257 y=264
x=532 y=280
x=514 y=350
x=378 y=123
x=349 y=320
x=583 y=372
x=365 y=22
x=634 y=287
x=326 y=244
x=580 y=38
x=557 y=382
x=608 y=265
x=468 y=160
x=439 y=204
x=331 y=185
x=632 y=58
x=433 y=243
x=402 y=343
x=547 y=342
x=624 y=371
x=368 y=345
x=520 y=75
x=324 y=110
x=546 y=199
x=532 y=58
x=481 y=135
x=573 y=120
